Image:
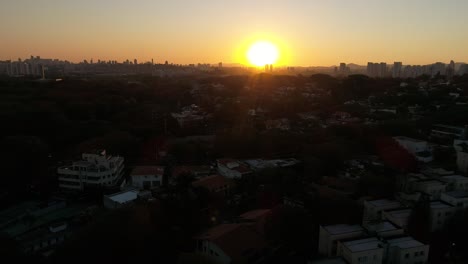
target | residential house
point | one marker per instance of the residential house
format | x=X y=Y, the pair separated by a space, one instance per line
x=440 y=214
x=367 y=250
x=418 y=148
x=405 y=250
x=458 y=199
x=398 y=217
x=373 y=209
x=259 y=218
x=331 y=234
x=147 y=177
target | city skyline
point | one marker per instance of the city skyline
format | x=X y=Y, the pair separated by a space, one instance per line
x=307 y=33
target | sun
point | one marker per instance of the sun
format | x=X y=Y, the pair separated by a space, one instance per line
x=262 y=53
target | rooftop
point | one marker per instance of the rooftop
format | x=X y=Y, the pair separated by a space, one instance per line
x=458 y=194
x=405 y=242
x=384 y=202
x=383 y=227
x=399 y=213
x=440 y=205
x=123 y=197
x=362 y=244
x=255 y=214
x=342 y=229
x=454 y=177
x=409 y=139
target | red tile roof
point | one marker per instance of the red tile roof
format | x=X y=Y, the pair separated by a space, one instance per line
x=147 y=170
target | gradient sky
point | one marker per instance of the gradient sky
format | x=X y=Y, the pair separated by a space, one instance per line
x=308 y=32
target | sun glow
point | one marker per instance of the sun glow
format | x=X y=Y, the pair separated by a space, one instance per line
x=262 y=53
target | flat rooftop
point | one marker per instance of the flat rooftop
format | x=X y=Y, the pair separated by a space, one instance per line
x=405 y=242
x=123 y=197
x=343 y=229
x=458 y=194
x=384 y=202
x=383 y=227
x=399 y=213
x=362 y=244
x=454 y=177
x=440 y=205
x=409 y=139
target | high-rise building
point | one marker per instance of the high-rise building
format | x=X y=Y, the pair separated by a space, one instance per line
x=271 y=67
x=397 y=69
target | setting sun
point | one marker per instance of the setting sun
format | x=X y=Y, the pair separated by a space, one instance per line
x=262 y=53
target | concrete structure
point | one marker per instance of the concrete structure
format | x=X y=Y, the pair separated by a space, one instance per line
x=440 y=131
x=230 y=243
x=455 y=182
x=458 y=199
x=397 y=69
x=419 y=148
x=398 y=217
x=405 y=250
x=432 y=188
x=120 y=199
x=330 y=235
x=461 y=146
x=232 y=169
x=440 y=214
x=95 y=170
x=384 y=229
x=147 y=177
x=367 y=250
x=373 y=209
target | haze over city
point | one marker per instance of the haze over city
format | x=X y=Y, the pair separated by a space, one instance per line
x=305 y=32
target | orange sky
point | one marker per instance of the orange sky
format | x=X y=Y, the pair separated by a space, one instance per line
x=308 y=32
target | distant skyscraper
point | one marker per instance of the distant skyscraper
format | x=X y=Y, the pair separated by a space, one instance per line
x=450 y=72
x=397 y=68
x=220 y=65
x=135 y=62
x=266 y=67
x=383 y=70
x=271 y=67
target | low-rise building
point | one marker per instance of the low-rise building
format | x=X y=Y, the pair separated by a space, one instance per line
x=260 y=164
x=398 y=217
x=331 y=234
x=458 y=199
x=95 y=170
x=405 y=250
x=384 y=229
x=120 y=199
x=147 y=177
x=432 y=188
x=367 y=250
x=232 y=169
x=231 y=243
x=461 y=146
x=373 y=209
x=440 y=214
x=259 y=218
x=419 y=148
x=455 y=182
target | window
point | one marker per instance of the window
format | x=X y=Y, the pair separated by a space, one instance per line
x=416 y=254
x=407 y=256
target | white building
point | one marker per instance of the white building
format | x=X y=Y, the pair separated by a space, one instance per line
x=120 y=199
x=367 y=250
x=405 y=250
x=330 y=235
x=384 y=229
x=95 y=170
x=419 y=148
x=399 y=217
x=433 y=188
x=147 y=177
x=456 y=182
x=440 y=214
x=461 y=146
x=458 y=199
x=232 y=169
x=373 y=209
